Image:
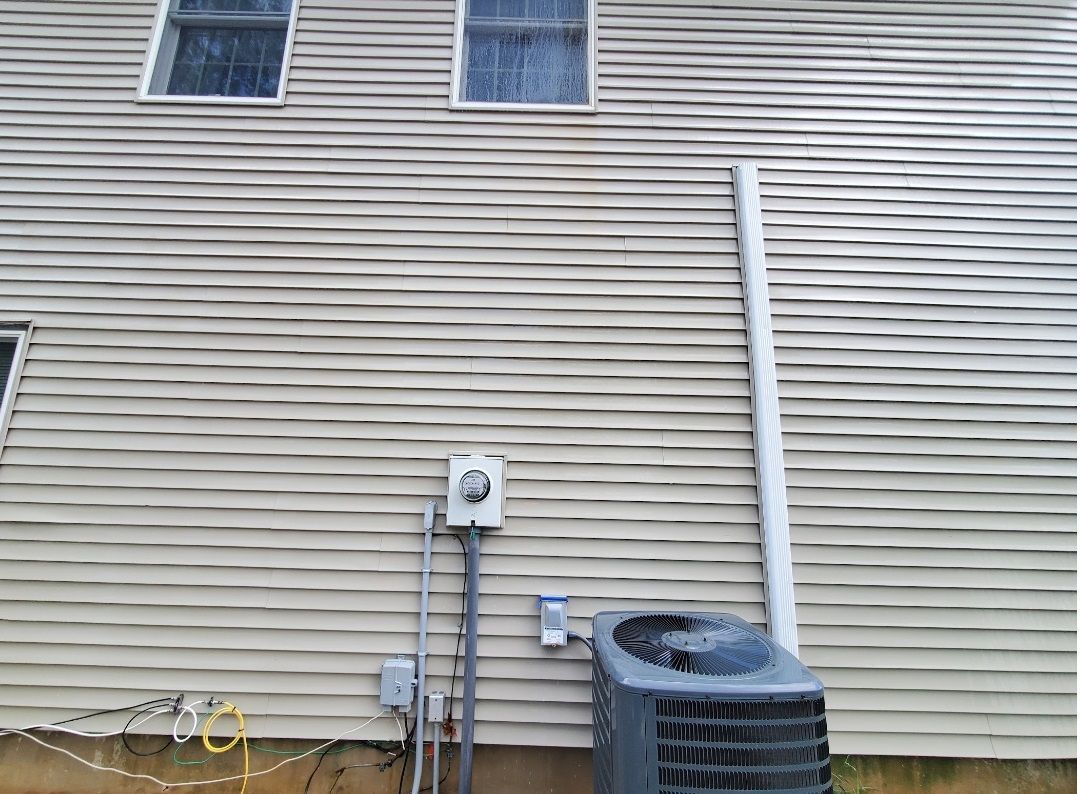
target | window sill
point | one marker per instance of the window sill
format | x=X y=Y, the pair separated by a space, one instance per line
x=210 y=100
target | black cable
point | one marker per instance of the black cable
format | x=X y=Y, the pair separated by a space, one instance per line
x=342 y=770
x=573 y=635
x=446 y=774
x=383 y=766
x=322 y=757
x=326 y=751
x=159 y=701
x=405 y=755
x=453 y=675
x=442 y=780
x=408 y=743
x=127 y=744
x=337 y=777
x=461 y=628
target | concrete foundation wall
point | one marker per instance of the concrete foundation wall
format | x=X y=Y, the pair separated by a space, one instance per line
x=27 y=768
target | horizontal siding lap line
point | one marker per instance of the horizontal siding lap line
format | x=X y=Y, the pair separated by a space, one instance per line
x=377 y=616
x=623 y=418
x=822 y=148
x=1005 y=125
x=556 y=358
x=405 y=201
x=124 y=239
x=98 y=551
x=912 y=172
x=633 y=123
x=587 y=266
x=805 y=465
x=726 y=345
x=439 y=292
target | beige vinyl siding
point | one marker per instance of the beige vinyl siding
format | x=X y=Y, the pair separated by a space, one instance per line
x=259 y=332
x=244 y=391
x=925 y=332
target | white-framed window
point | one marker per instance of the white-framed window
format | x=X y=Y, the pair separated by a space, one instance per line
x=220 y=51
x=525 y=55
x=13 y=338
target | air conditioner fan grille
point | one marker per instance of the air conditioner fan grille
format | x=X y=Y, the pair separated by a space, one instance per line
x=692 y=644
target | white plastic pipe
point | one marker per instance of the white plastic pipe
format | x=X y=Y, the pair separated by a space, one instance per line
x=765 y=410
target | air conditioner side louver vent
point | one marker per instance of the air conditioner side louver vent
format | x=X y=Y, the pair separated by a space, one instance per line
x=705 y=746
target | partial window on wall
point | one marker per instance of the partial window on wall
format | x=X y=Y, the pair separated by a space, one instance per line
x=221 y=50
x=12 y=345
x=517 y=54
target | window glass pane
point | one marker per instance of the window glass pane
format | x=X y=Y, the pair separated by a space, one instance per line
x=184 y=79
x=206 y=5
x=214 y=80
x=484 y=8
x=483 y=52
x=250 y=46
x=274 y=53
x=515 y=9
x=242 y=62
x=526 y=51
x=192 y=46
x=236 y=6
x=572 y=9
x=527 y=9
x=512 y=52
x=268 y=82
x=220 y=45
x=7 y=361
x=482 y=86
x=243 y=80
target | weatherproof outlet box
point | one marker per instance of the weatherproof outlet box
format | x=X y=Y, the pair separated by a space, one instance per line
x=553 y=620
x=476 y=492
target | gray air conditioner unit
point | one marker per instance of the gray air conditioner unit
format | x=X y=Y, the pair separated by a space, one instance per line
x=694 y=703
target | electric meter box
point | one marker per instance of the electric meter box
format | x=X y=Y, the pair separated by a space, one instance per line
x=477 y=491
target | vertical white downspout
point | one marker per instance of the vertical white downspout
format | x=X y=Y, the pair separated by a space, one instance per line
x=765 y=409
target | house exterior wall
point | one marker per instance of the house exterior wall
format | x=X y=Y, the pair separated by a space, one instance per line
x=258 y=332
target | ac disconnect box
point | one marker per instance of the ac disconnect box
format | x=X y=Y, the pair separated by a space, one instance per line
x=398 y=680
x=476 y=491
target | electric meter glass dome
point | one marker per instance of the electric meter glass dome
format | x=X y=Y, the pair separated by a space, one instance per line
x=475 y=485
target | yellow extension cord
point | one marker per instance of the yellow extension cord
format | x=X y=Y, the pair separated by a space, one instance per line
x=241 y=736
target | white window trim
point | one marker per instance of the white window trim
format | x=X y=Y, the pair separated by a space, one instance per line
x=7 y=391
x=154 y=52
x=457 y=103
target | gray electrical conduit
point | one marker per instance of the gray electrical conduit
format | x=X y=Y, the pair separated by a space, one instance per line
x=468 y=696
x=435 y=765
x=421 y=648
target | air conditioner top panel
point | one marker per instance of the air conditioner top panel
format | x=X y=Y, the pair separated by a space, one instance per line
x=697 y=654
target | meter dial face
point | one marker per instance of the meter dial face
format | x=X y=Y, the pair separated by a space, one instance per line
x=474 y=485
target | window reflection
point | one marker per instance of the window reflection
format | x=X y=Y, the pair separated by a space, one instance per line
x=526 y=51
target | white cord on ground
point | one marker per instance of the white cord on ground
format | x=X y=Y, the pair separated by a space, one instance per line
x=87 y=734
x=400 y=728
x=153 y=779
